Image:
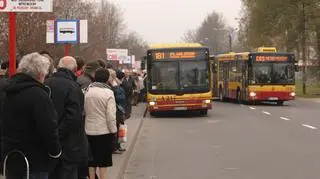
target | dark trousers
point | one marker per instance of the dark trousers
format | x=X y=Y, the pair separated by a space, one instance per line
x=65 y=170
x=128 y=106
x=83 y=170
x=117 y=143
x=142 y=95
x=135 y=99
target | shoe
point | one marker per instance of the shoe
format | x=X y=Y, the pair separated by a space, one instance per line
x=117 y=152
x=122 y=149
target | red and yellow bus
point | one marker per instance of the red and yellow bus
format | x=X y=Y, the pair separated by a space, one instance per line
x=263 y=75
x=179 y=78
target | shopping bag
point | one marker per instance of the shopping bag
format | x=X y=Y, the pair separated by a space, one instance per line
x=122 y=138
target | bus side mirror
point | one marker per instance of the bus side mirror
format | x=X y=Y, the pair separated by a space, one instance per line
x=296 y=68
x=215 y=67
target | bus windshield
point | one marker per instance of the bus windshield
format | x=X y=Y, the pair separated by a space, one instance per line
x=165 y=76
x=194 y=75
x=273 y=73
x=180 y=76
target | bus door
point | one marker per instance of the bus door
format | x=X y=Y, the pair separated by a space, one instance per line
x=226 y=79
x=244 y=79
x=214 y=78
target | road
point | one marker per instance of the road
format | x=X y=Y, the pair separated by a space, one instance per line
x=233 y=142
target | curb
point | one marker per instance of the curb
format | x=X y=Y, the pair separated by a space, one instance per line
x=128 y=153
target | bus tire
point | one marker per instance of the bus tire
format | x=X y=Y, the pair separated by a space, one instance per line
x=153 y=114
x=238 y=96
x=204 y=112
x=280 y=103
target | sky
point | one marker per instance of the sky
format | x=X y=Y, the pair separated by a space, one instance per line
x=165 y=21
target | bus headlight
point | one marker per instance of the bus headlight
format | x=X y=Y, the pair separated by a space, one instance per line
x=207 y=101
x=292 y=94
x=152 y=103
x=252 y=94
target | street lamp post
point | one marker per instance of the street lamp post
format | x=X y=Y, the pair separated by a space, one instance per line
x=230 y=32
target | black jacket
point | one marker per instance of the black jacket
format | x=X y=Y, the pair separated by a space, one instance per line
x=29 y=123
x=68 y=101
x=128 y=85
x=3 y=83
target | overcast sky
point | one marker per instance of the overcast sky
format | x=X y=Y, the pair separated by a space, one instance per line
x=165 y=21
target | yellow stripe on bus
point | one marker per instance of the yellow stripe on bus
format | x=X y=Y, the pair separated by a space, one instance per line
x=170 y=97
x=258 y=88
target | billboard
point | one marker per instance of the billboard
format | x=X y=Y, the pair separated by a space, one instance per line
x=50 y=31
x=120 y=55
x=25 y=6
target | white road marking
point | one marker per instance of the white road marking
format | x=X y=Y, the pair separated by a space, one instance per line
x=213 y=121
x=308 y=126
x=252 y=108
x=265 y=112
x=284 y=118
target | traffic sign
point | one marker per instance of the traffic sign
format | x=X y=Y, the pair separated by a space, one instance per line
x=67 y=31
x=26 y=5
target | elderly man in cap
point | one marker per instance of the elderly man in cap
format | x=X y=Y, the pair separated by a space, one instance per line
x=68 y=100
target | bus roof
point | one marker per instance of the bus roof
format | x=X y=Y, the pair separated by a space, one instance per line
x=232 y=55
x=245 y=55
x=175 y=45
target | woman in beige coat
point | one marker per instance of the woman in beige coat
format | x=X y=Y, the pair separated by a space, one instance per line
x=100 y=124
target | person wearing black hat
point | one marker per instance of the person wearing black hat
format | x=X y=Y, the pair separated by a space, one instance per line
x=88 y=75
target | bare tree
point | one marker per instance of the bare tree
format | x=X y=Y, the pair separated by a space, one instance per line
x=134 y=43
x=190 y=36
x=105 y=23
x=212 y=32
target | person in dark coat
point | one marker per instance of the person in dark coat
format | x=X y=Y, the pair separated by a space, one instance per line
x=128 y=85
x=88 y=75
x=68 y=100
x=29 y=121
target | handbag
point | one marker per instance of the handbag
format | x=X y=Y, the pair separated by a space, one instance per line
x=122 y=134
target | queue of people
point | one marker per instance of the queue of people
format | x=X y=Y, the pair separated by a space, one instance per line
x=64 y=119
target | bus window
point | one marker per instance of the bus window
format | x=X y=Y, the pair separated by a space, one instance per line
x=194 y=74
x=164 y=76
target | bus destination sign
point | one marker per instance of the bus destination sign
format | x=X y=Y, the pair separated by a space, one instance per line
x=263 y=58
x=176 y=55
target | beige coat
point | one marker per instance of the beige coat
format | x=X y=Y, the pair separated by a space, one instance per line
x=100 y=110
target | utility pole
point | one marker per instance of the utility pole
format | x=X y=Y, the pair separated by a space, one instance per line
x=303 y=43
x=230 y=41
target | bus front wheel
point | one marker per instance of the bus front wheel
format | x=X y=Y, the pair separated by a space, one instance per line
x=238 y=96
x=204 y=112
x=153 y=114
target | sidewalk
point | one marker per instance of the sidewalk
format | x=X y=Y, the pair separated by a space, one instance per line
x=316 y=100
x=120 y=161
x=134 y=125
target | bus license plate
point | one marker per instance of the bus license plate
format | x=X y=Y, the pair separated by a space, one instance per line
x=273 y=98
x=180 y=108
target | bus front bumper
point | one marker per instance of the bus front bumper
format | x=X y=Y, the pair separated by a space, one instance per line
x=154 y=107
x=271 y=96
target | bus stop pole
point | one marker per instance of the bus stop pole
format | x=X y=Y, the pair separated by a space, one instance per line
x=12 y=43
x=67 y=49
